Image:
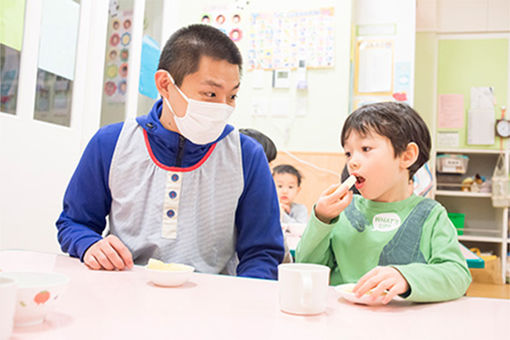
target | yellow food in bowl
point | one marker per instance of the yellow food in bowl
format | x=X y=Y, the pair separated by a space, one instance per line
x=169 y=267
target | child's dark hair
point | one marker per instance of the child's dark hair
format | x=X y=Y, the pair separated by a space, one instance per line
x=288 y=169
x=266 y=142
x=396 y=121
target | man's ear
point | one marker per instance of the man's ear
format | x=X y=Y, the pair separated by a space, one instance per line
x=409 y=156
x=162 y=82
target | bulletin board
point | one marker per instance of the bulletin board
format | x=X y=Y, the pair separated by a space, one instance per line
x=374 y=67
x=278 y=40
x=467 y=63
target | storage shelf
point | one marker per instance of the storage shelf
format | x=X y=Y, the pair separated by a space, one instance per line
x=480 y=238
x=473 y=151
x=463 y=193
x=485 y=227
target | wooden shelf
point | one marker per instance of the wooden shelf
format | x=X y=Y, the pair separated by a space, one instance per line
x=474 y=238
x=463 y=193
x=464 y=151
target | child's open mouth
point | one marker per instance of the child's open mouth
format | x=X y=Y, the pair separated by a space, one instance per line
x=359 y=182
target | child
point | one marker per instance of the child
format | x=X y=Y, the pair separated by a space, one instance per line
x=266 y=142
x=271 y=152
x=387 y=239
x=288 y=184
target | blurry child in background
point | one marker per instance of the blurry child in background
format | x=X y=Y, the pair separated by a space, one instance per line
x=288 y=184
x=266 y=142
x=270 y=151
x=387 y=239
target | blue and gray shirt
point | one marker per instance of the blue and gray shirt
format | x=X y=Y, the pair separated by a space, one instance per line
x=170 y=199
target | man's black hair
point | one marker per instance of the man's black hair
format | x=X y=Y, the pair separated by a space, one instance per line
x=183 y=50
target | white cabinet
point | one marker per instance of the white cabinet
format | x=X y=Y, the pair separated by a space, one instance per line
x=485 y=227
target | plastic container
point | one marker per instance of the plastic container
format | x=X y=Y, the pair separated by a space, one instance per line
x=449 y=181
x=452 y=164
x=458 y=221
x=500 y=184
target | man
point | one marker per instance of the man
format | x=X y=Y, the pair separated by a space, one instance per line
x=178 y=184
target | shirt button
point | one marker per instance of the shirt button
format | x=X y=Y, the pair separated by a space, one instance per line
x=170 y=213
x=175 y=177
x=172 y=194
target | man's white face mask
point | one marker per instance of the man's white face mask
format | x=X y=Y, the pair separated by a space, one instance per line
x=203 y=122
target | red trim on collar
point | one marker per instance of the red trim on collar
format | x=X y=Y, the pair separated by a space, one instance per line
x=174 y=168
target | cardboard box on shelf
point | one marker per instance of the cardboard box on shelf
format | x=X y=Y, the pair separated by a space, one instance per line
x=492 y=271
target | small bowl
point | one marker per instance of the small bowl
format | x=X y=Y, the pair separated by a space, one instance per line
x=37 y=294
x=170 y=278
x=345 y=291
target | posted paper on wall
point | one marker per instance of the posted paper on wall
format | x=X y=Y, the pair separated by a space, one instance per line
x=482 y=97
x=148 y=67
x=450 y=111
x=375 y=67
x=12 y=19
x=59 y=33
x=481 y=117
x=448 y=139
x=481 y=126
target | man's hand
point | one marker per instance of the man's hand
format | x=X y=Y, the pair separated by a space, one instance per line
x=381 y=279
x=332 y=202
x=109 y=253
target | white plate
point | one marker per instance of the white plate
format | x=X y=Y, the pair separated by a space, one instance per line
x=345 y=291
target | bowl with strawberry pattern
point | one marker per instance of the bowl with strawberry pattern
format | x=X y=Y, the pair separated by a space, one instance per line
x=37 y=294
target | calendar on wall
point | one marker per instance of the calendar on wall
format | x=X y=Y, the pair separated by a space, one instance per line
x=281 y=39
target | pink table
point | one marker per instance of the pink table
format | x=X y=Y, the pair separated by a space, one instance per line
x=123 y=305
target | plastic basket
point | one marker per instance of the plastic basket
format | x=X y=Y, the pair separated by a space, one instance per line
x=452 y=164
x=458 y=221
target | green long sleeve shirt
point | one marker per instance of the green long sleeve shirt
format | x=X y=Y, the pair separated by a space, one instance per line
x=413 y=235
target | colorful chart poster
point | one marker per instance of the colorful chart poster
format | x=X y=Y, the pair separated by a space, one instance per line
x=117 y=56
x=227 y=21
x=280 y=39
x=12 y=19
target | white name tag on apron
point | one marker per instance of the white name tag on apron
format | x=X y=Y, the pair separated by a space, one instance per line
x=386 y=222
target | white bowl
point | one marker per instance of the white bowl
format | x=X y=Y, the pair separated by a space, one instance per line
x=345 y=291
x=170 y=278
x=38 y=293
x=7 y=304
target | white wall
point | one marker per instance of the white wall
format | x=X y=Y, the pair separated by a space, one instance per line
x=402 y=14
x=327 y=96
x=462 y=16
x=38 y=158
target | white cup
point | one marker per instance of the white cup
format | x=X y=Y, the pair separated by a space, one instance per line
x=7 y=306
x=303 y=288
